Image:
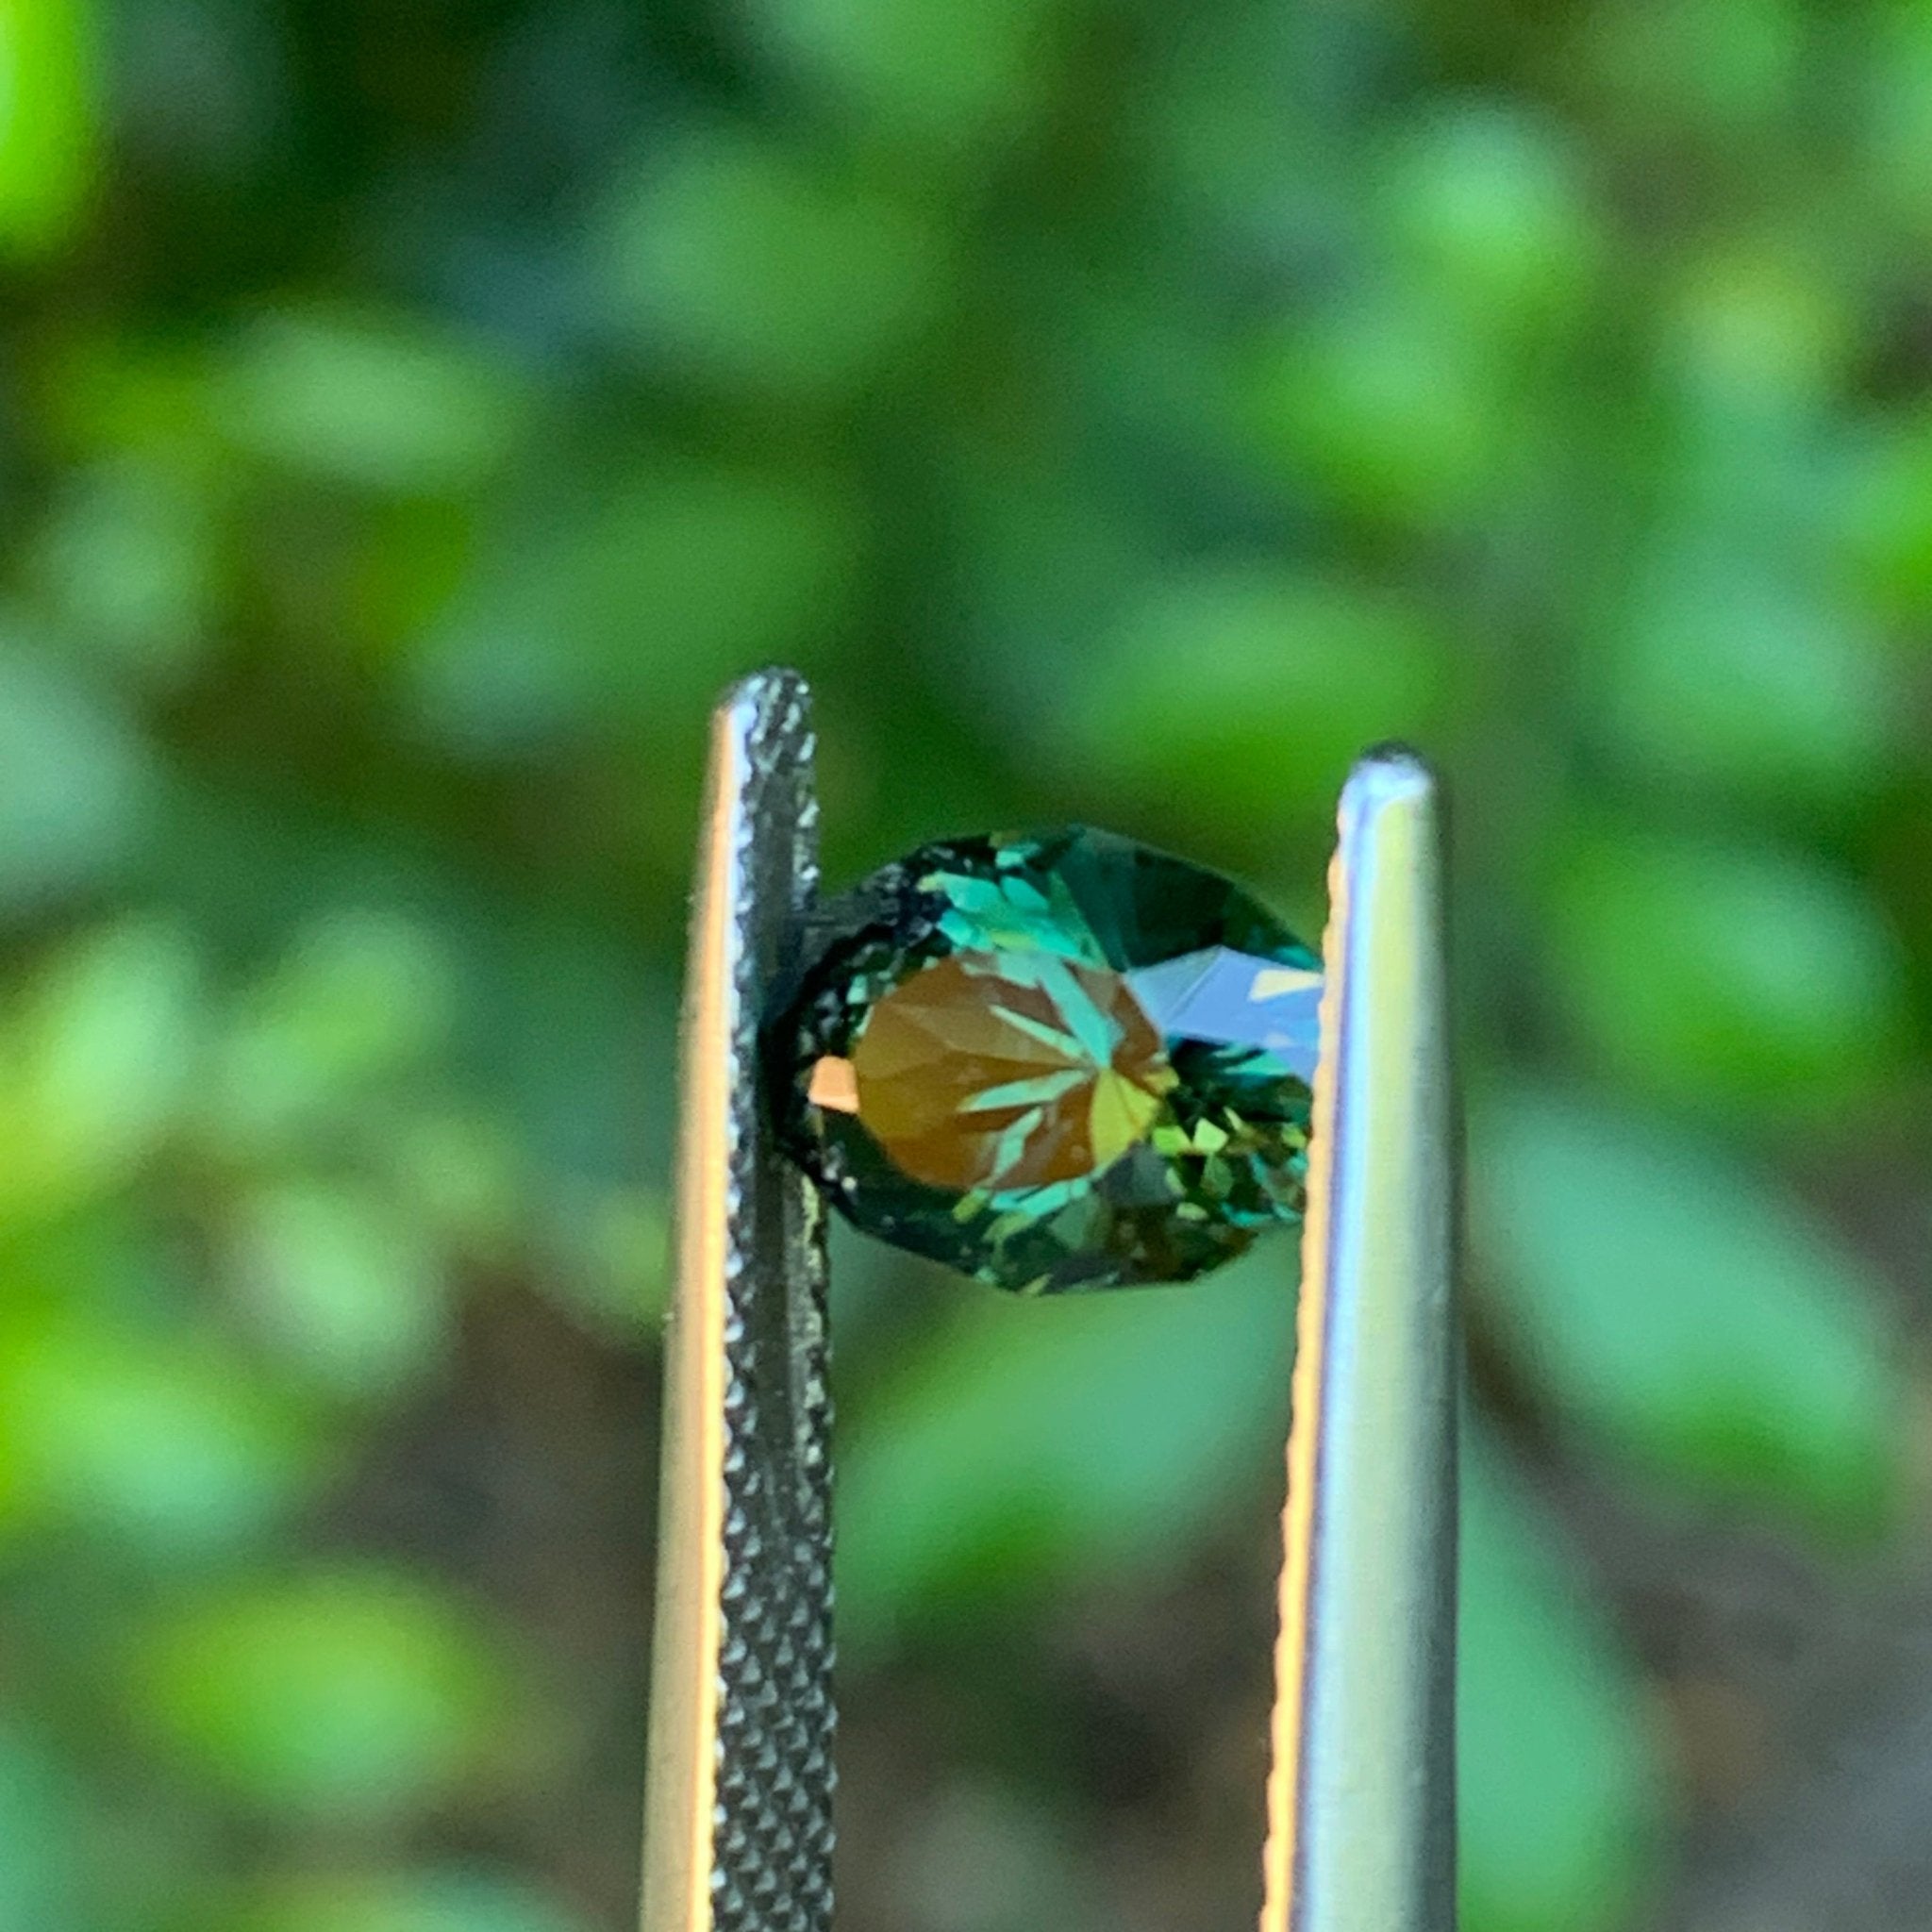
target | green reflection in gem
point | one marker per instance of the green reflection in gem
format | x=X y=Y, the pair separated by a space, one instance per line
x=1062 y=1061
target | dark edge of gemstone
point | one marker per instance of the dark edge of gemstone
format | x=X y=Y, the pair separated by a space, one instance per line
x=804 y=1016
x=807 y=1017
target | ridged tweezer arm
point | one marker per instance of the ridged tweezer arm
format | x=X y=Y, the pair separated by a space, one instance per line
x=739 y=1805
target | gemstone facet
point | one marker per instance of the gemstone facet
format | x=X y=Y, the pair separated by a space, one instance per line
x=1063 y=1062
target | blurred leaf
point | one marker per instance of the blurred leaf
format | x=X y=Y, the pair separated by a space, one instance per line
x=639 y=607
x=136 y=393
x=750 y=264
x=47 y=121
x=415 y=556
x=1039 y=1439
x=613 y=1249
x=74 y=780
x=1726 y=977
x=1895 y=120
x=1763 y=324
x=95 y=1059
x=462 y=1172
x=435 y=1901
x=1488 y=205
x=1225 y=145
x=128 y=561
x=1685 y=1315
x=1881 y=518
x=348 y=1289
x=1383 y=409
x=1561 y=1784
x=1718 y=68
x=380 y=402
x=353 y=1695
x=1820 y=721
x=1200 y=687
x=574 y=1033
x=165 y=1442
x=1054 y=559
x=200 y=90
x=949 y=77
x=361 y=999
x=43 y=1876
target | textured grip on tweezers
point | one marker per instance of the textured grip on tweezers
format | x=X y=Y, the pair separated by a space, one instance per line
x=739 y=1831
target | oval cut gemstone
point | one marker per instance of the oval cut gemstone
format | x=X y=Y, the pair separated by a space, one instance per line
x=1062 y=1061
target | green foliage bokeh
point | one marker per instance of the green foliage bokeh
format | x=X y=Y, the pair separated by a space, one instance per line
x=410 y=418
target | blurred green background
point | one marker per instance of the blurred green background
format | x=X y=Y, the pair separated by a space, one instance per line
x=409 y=416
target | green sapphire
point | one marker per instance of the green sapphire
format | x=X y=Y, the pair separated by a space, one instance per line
x=1063 y=1062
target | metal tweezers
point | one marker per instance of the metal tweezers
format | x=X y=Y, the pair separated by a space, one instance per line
x=1360 y=1795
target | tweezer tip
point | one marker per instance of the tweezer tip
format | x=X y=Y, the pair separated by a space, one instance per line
x=761 y=687
x=1389 y=775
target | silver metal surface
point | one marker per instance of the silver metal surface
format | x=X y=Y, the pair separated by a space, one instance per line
x=1361 y=1797
x=739 y=1805
x=739 y=1824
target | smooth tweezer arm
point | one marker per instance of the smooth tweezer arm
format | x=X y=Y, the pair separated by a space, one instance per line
x=1362 y=1803
x=738 y=1830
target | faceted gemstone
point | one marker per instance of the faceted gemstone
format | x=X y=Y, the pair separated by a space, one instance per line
x=1064 y=1061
